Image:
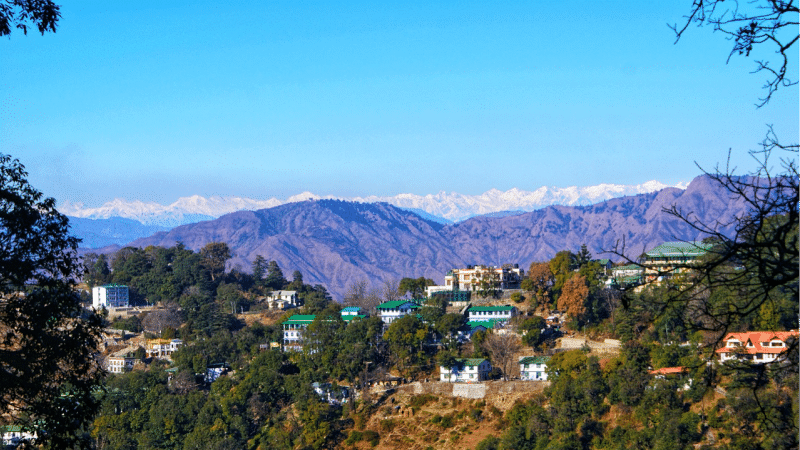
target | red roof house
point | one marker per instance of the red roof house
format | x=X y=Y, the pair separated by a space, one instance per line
x=758 y=347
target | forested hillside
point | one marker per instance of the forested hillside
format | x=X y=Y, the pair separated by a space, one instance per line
x=591 y=401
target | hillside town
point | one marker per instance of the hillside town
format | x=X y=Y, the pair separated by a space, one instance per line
x=483 y=328
x=417 y=226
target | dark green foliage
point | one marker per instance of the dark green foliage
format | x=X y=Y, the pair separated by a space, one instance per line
x=259 y=268
x=48 y=341
x=45 y=14
x=275 y=279
x=490 y=443
x=577 y=389
x=627 y=381
x=447 y=327
x=96 y=270
x=132 y=324
x=532 y=329
x=405 y=337
x=418 y=401
x=314 y=299
x=414 y=287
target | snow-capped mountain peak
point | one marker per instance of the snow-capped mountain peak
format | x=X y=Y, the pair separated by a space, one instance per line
x=450 y=206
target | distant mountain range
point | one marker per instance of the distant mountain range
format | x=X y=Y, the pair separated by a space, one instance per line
x=96 y=233
x=442 y=207
x=336 y=243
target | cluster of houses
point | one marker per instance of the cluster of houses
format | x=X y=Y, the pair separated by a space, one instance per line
x=752 y=347
x=473 y=370
x=655 y=265
x=124 y=360
x=480 y=318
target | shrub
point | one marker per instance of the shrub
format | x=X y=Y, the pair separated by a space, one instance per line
x=490 y=443
x=476 y=414
x=419 y=401
x=387 y=425
x=372 y=437
x=354 y=437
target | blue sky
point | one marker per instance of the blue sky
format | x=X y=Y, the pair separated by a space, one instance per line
x=139 y=100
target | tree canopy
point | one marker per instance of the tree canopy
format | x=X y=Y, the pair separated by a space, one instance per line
x=47 y=341
x=20 y=14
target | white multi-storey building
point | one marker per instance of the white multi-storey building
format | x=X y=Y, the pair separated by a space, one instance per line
x=293 y=330
x=533 y=368
x=120 y=363
x=163 y=348
x=501 y=313
x=466 y=370
x=110 y=296
x=282 y=300
x=506 y=277
x=295 y=327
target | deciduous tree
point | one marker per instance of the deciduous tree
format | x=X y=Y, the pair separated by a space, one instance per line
x=363 y=295
x=502 y=349
x=760 y=23
x=542 y=281
x=573 y=297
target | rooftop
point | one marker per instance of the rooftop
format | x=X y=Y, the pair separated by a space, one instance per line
x=668 y=370
x=534 y=360
x=396 y=304
x=471 y=362
x=490 y=308
x=680 y=249
x=300 y=319
x=756 y=338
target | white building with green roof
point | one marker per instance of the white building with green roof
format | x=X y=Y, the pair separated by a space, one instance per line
x=484 y=313
x=396 y=309
x=293 y=330
x=533 y=368
x=466 y=370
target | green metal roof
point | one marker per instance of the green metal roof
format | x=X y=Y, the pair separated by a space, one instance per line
x=628 y=267
x=685 y=249
x=471 y=361
x=300 y=319
x=396 y=304
x=352 y=317
x=488 y=324
x=490 y=308
x=534 y=360
x=351 y=309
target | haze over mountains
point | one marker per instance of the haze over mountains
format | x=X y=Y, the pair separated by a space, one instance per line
x=443 y=207
x=336 y=243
